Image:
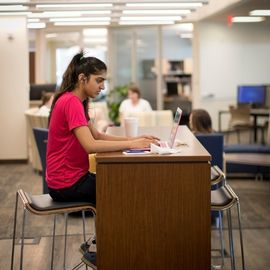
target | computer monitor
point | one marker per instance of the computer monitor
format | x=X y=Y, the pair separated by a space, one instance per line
x=251 y=94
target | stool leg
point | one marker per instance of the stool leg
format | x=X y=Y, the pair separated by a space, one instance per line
x=231 y=239
x=14 y=231
x=83 y=218
x=22 y=239
x=84 y=234
x=221 y=238
x=54 y=222
x=65 y=245
x=241 y=236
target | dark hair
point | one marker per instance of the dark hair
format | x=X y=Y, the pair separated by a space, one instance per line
x=79 y=64
x=201 y=121
x=135 y=89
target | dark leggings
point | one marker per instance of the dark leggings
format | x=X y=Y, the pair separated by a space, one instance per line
x=83 y=190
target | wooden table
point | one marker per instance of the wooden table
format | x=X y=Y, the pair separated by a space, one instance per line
x=153 y=211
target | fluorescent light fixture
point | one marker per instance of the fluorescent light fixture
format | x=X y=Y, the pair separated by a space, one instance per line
x=81 y=19
x=67 y=5
x=165 y=5
x=95 y=40
x=186 y=35
x=13 y=7
x=36 y=25
x=260 y=12
x=152 y=18
x=15 y=13
x=95 y=32
x=80 y=23
x=157 y=11
x=51 y=35
x=247 y=19
x=33 y=20
x=48 y=14
x=96 y=12
x=144 y=22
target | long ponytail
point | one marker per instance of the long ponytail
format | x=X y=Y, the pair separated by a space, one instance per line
x=79 y=64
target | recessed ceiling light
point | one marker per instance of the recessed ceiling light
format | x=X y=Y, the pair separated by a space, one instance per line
x=81 y=19
x=67 y=5
x=48 y=14
x=260 y=12
x=246 y=19
x=36 y=25
x=33 y=20
x=80 y=23
x=152 y=18
x=166 y=5
x=13 y=7
x=15 y=13
x=156 y=11
x=144 y=22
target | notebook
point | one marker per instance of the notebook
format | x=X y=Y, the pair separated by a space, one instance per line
x=176 y=122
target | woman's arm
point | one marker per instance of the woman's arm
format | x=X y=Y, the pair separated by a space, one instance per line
x=106 y=137
x=93 y=145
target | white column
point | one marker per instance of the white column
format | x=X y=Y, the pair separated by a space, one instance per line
x=40 y=61
x=159 y=69
x=14 y=90
x=196 y=95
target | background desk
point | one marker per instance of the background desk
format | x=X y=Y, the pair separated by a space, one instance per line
x=255 y=113
x=153 y=212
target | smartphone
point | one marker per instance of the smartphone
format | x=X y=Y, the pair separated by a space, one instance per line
x=137 y=151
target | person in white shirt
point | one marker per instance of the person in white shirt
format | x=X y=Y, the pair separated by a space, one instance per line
x=47 y=99
x=134 y=103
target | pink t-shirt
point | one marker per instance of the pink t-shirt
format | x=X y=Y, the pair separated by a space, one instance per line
x=67 y=161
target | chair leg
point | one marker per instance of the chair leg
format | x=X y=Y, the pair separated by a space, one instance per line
x=83 y=218
x=65 y=244
x=22 y=239
x=14 y=231
x=241 y=236
x=53 y=240
x=84 y=234
x=221 y=238
x=231 y=239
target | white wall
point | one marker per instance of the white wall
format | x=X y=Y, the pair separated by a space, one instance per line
x=14 y=87
x=227 y=57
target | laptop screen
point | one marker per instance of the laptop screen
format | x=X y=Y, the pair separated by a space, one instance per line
x=176 y=122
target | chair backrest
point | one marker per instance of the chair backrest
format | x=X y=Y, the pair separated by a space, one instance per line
x=213 y=143
x=240 y=115
x=41 y=137
x=33 y=120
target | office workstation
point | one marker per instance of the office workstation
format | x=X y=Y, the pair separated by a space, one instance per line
x=152 y=210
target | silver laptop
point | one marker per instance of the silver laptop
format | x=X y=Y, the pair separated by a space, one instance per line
x=176 y=122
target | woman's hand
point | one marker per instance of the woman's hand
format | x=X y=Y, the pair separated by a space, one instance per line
x=142 y=142
x=150 y=137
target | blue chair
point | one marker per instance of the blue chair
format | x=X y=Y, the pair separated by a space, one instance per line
x=41 y=137
x=213 y=143
x=222 y=195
